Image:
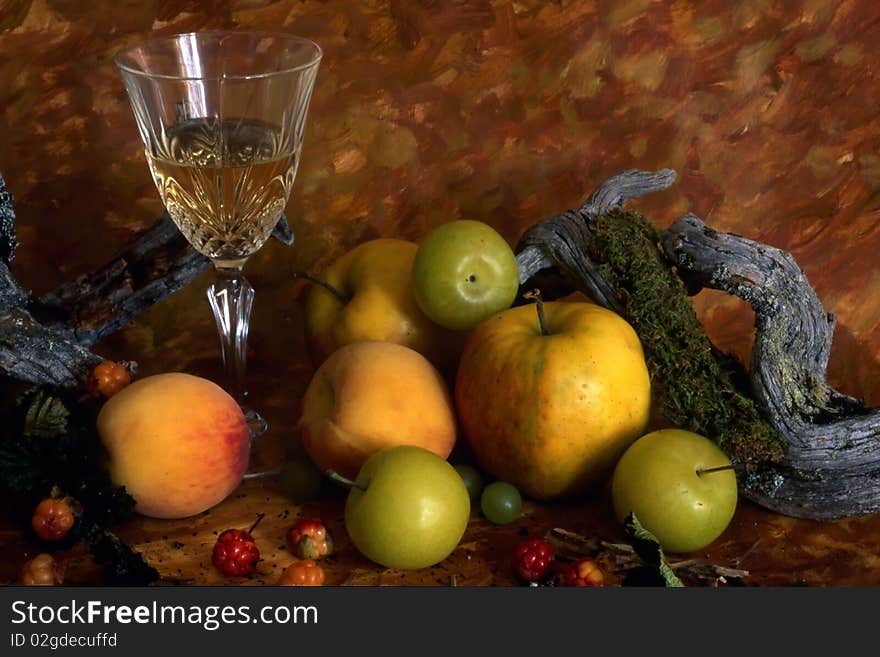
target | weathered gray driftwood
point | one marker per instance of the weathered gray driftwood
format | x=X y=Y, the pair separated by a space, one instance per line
x=558 y=241
x=46 y=340
x=831 y=465
x=7 y=225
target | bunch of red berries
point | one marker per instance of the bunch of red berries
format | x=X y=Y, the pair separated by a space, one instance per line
x=535 y=563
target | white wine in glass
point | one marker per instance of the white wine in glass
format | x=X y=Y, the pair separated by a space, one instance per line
x=224 y=185
x=222 y=116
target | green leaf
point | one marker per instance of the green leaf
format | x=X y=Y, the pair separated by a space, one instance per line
x=648 y=548
x=46 y=416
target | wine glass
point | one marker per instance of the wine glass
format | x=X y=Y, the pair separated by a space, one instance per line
x=222 y=116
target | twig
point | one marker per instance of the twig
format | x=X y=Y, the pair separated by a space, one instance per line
x=570 y=545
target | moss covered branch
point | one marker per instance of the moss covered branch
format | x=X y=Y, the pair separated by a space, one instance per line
x=700 y=388
x=695 y=384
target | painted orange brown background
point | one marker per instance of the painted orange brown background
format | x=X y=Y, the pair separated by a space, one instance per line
x=508 y=112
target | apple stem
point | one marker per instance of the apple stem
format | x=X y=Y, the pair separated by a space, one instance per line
x=336 y=292
x=720 y=468
x=260 y=517
x=345 y=481
x=539 y=306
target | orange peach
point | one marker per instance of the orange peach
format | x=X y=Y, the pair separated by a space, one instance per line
x=178 y=443
x=371 y=395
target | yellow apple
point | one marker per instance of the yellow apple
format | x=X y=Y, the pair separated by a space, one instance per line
x=552 y=413
x=377 y=305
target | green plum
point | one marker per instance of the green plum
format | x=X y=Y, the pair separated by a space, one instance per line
x=300 y=480
x=501 y=502
x=463 y=272
x=408 y=508
x=472 y=478
x=664 y=479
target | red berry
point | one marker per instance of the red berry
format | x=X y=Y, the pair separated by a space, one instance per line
x=53 y=519
x=235 y=553
x=302 y=573
x=533 y=559
x=583 y=572
x=309 y=539
x=108 y=378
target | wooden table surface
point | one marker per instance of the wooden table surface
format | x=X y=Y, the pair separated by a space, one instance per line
x=777 y=551
x=502 y=111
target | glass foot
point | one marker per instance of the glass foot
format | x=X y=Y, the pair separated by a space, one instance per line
x=257 y=426
x=261 y=474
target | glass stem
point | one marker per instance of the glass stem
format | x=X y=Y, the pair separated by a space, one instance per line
x=231 y=298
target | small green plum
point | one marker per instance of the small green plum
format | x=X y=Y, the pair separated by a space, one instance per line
x=680 y=486
x=501 y=502
x=408 y=508
x=472 y=478
x=464 y=271
x=300 y=480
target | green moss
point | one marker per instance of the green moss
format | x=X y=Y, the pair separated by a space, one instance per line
x=699 y=388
